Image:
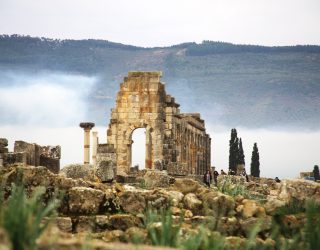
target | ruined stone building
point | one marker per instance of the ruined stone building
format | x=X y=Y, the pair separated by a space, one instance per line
x=30 y=154
x=176 y=142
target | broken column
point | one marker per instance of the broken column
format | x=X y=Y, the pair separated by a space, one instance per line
x=87 y=126
x=94 y=146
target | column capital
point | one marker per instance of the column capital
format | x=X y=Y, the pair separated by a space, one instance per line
x=87 y=125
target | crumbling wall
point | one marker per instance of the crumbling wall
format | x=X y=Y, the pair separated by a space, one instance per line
x=175 y=142
x=30 y=154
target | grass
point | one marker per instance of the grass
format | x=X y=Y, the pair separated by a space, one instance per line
x=25 y=218
x=162 y=231
x=293 y=207
x=234 y=187
x=204 y=240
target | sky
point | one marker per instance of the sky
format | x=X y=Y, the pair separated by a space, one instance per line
x=152 y=23
x=56 y=106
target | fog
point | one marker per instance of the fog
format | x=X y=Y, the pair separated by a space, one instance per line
x=47 y=108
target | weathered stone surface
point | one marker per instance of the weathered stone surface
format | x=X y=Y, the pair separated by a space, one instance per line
x=114 y=235
x=259 y=224
x=102 y=222
x=176 y=211
x=175 y=197
x=84 y=200
x=64 y=224
x=106 y=170
x=188 y=214
x=142 y=102
x=186 y=186
x=250 y=208
x=84 y=224
x=234 y=242
x=300 y=190
x=156 y=178
x=192 y=202
x=217 y=204
x=293 y=222
x=123 y=221
x=36 y=155
x=79 y=171
x=132 y=201
x=3 y=142
x=228 y=225
x=136 y=234
x=272 y=204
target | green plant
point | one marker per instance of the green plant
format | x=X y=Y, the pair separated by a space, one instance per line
x=232 y=187
x=24 y=218
x=313 y=225
x=293 y=207
x=204 y=240
x=162 y=231
x=255 y=162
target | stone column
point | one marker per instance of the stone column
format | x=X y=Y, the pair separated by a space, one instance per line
x=87 y=126
x=95 y=141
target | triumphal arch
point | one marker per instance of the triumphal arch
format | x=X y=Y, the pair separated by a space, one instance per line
x=176 y=142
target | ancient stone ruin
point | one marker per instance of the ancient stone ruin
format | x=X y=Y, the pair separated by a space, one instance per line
x=176 y=142
x=30 y=154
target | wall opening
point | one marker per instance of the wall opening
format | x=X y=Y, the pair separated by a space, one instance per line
x=138 y=148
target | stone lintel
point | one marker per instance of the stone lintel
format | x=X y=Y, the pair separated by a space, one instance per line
x=144 y=74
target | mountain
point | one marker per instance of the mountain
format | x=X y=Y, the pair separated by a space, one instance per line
x=234 y=85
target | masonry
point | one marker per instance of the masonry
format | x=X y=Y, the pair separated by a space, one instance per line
x=30 y=154
x=176 y=142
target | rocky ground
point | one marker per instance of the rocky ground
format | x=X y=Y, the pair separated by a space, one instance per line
x=93 y=215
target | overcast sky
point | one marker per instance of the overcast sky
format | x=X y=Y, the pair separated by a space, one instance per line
x=166 y=22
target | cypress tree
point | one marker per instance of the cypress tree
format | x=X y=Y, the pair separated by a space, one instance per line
x=316 y=173
x=241 y=154
x=255 y=163
x=233 y=150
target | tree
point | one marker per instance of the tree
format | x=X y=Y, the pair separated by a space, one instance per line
x=255 y=163
x=233 y=150
x=316 y=173
x=241 y=154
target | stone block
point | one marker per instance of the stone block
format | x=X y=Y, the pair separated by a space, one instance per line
x=64 y=224
x=3 y=143
x=105 y=168
x=84 y=200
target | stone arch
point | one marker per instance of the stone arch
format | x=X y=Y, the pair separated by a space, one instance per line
x=140 y=104
x=175 y=141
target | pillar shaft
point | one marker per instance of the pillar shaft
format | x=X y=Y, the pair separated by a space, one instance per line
x=94 y=147
x=86 y=149
x=87 y=126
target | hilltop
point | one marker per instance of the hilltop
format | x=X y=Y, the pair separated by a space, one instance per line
x=234 y=85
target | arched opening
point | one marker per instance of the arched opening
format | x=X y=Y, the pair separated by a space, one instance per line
x=138 y=148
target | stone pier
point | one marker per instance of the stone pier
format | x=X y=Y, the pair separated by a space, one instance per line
x=87 y=126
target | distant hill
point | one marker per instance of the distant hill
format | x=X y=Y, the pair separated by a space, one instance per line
x=233 y=85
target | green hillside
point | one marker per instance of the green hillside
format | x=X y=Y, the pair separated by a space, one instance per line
x=234 y=85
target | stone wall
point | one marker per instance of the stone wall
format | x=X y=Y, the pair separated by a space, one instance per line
x=175 y=141
x=30 y=154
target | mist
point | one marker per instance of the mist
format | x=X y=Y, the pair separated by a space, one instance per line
x=46 y=108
